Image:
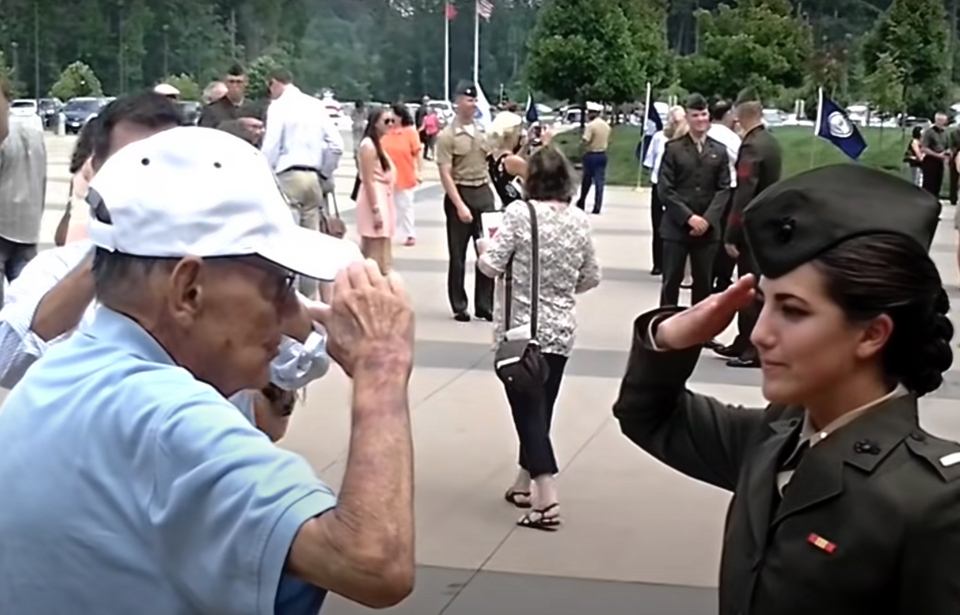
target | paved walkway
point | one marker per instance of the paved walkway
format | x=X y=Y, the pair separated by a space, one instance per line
x=638 y=539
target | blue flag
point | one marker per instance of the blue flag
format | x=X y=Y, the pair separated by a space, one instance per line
x=834 y=126
x=532 y=116
x=652 y=124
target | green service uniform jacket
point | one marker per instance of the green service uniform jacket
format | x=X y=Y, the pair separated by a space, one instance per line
x=869 y=524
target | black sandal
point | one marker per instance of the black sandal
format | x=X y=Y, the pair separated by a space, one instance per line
x=539 y=519
x=513 y=497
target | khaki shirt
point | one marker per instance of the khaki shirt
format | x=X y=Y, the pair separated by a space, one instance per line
x=596 y=135
x=465 y=149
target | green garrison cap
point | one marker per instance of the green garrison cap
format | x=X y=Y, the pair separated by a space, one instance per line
x=465 y=88
x=797 y=219
x=746 y=95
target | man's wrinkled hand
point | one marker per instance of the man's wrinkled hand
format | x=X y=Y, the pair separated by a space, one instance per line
x=369 y=321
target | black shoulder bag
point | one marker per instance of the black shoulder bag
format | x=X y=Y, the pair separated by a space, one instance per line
x=519 y=363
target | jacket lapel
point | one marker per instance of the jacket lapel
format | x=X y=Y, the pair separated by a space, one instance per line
x=761 y=482
x=864 y=443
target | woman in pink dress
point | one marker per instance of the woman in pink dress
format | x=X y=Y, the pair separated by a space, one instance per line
x=375 y=207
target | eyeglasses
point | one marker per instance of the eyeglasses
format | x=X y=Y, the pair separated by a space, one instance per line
x=280 y=281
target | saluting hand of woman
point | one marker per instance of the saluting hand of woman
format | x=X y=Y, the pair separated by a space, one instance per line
x=706 y=320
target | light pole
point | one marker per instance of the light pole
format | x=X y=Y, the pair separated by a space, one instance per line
x=120 y=68
x=36 y=51
x=166 y=50
x=16 y=61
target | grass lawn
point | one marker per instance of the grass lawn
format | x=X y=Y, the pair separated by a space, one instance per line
x=801 y=151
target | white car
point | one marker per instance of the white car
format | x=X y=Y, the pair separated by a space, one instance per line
x=24 y=106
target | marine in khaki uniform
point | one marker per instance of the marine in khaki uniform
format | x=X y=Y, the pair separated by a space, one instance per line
x=843 y=504
x=462 y=149
x=596 y=140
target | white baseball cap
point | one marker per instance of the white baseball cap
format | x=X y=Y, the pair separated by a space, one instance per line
x=202 y=192
x=165 y=89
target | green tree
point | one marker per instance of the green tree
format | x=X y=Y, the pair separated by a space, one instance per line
x=648 y=29
x=189 y=89
x=883 y=87
x=5 y=73
x=77 y=79
x=758 y=43
x=258 y=74
x=913 y=33
x=584 y=50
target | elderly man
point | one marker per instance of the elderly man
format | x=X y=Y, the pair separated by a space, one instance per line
x=214 y=91
x=303 y=146
x=23 y=191
x=47 y=303
x=142 y=490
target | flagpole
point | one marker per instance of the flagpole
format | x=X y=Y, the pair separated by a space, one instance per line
x=816 y=128
x=446 y=52
x=476 y=43
x=643 y=135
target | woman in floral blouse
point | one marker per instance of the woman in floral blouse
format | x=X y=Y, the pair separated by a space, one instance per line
x=568 y=266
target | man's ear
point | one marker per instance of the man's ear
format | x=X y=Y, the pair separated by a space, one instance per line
x=185 y=291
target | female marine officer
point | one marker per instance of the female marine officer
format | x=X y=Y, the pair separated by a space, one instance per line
x=842 y=504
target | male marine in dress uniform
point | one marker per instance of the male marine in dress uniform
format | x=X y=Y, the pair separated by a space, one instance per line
x=860 y=517
x=233 y=106
x=462 y=149
x=694 y=184
x=758 y=167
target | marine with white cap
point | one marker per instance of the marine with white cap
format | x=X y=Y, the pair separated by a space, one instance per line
x=165 y=89
x=142 y=489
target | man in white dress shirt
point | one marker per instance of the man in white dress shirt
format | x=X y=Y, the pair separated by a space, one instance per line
x=722 y=129
x=303 y=146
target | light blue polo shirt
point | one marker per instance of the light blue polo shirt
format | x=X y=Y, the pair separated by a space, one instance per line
x=127 y=486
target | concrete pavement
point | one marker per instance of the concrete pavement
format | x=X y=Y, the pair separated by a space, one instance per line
x=638 y=538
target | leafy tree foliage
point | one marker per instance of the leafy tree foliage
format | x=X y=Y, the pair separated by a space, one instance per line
x=758 y=43
x=884 y=86
x=585 y=50
x=913 y=34
x=189 y=89
x=77 y=79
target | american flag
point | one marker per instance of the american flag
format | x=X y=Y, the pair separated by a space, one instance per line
x=484 y=9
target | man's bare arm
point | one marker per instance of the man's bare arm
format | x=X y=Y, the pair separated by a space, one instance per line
x=63 y=306
x=364 y=548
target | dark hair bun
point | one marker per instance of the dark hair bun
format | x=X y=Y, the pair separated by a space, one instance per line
x=921 y=352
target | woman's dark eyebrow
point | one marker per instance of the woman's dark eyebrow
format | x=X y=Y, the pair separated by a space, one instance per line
x=781 y=297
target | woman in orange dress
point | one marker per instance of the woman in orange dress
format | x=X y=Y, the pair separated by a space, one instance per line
x=376 y=215
x=403 y=147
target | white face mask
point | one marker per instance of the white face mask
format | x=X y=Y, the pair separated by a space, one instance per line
x=310 y=363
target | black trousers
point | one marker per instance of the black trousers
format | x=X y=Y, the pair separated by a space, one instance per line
x=932 y=175
x=532 y=417
x=746 y=317
x=954 y=177
x=723 y=264
x=13 y=258
x=675 y=253
x=656 y=217
x=478 y=199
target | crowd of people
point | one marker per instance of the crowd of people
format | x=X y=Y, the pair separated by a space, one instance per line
x=154 y=355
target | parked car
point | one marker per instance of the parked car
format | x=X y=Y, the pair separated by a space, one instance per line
x=23 y=106
x=191 y=110
x=78 y=111
x=49 y=110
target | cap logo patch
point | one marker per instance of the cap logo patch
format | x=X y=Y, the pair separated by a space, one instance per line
x=785 y=228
